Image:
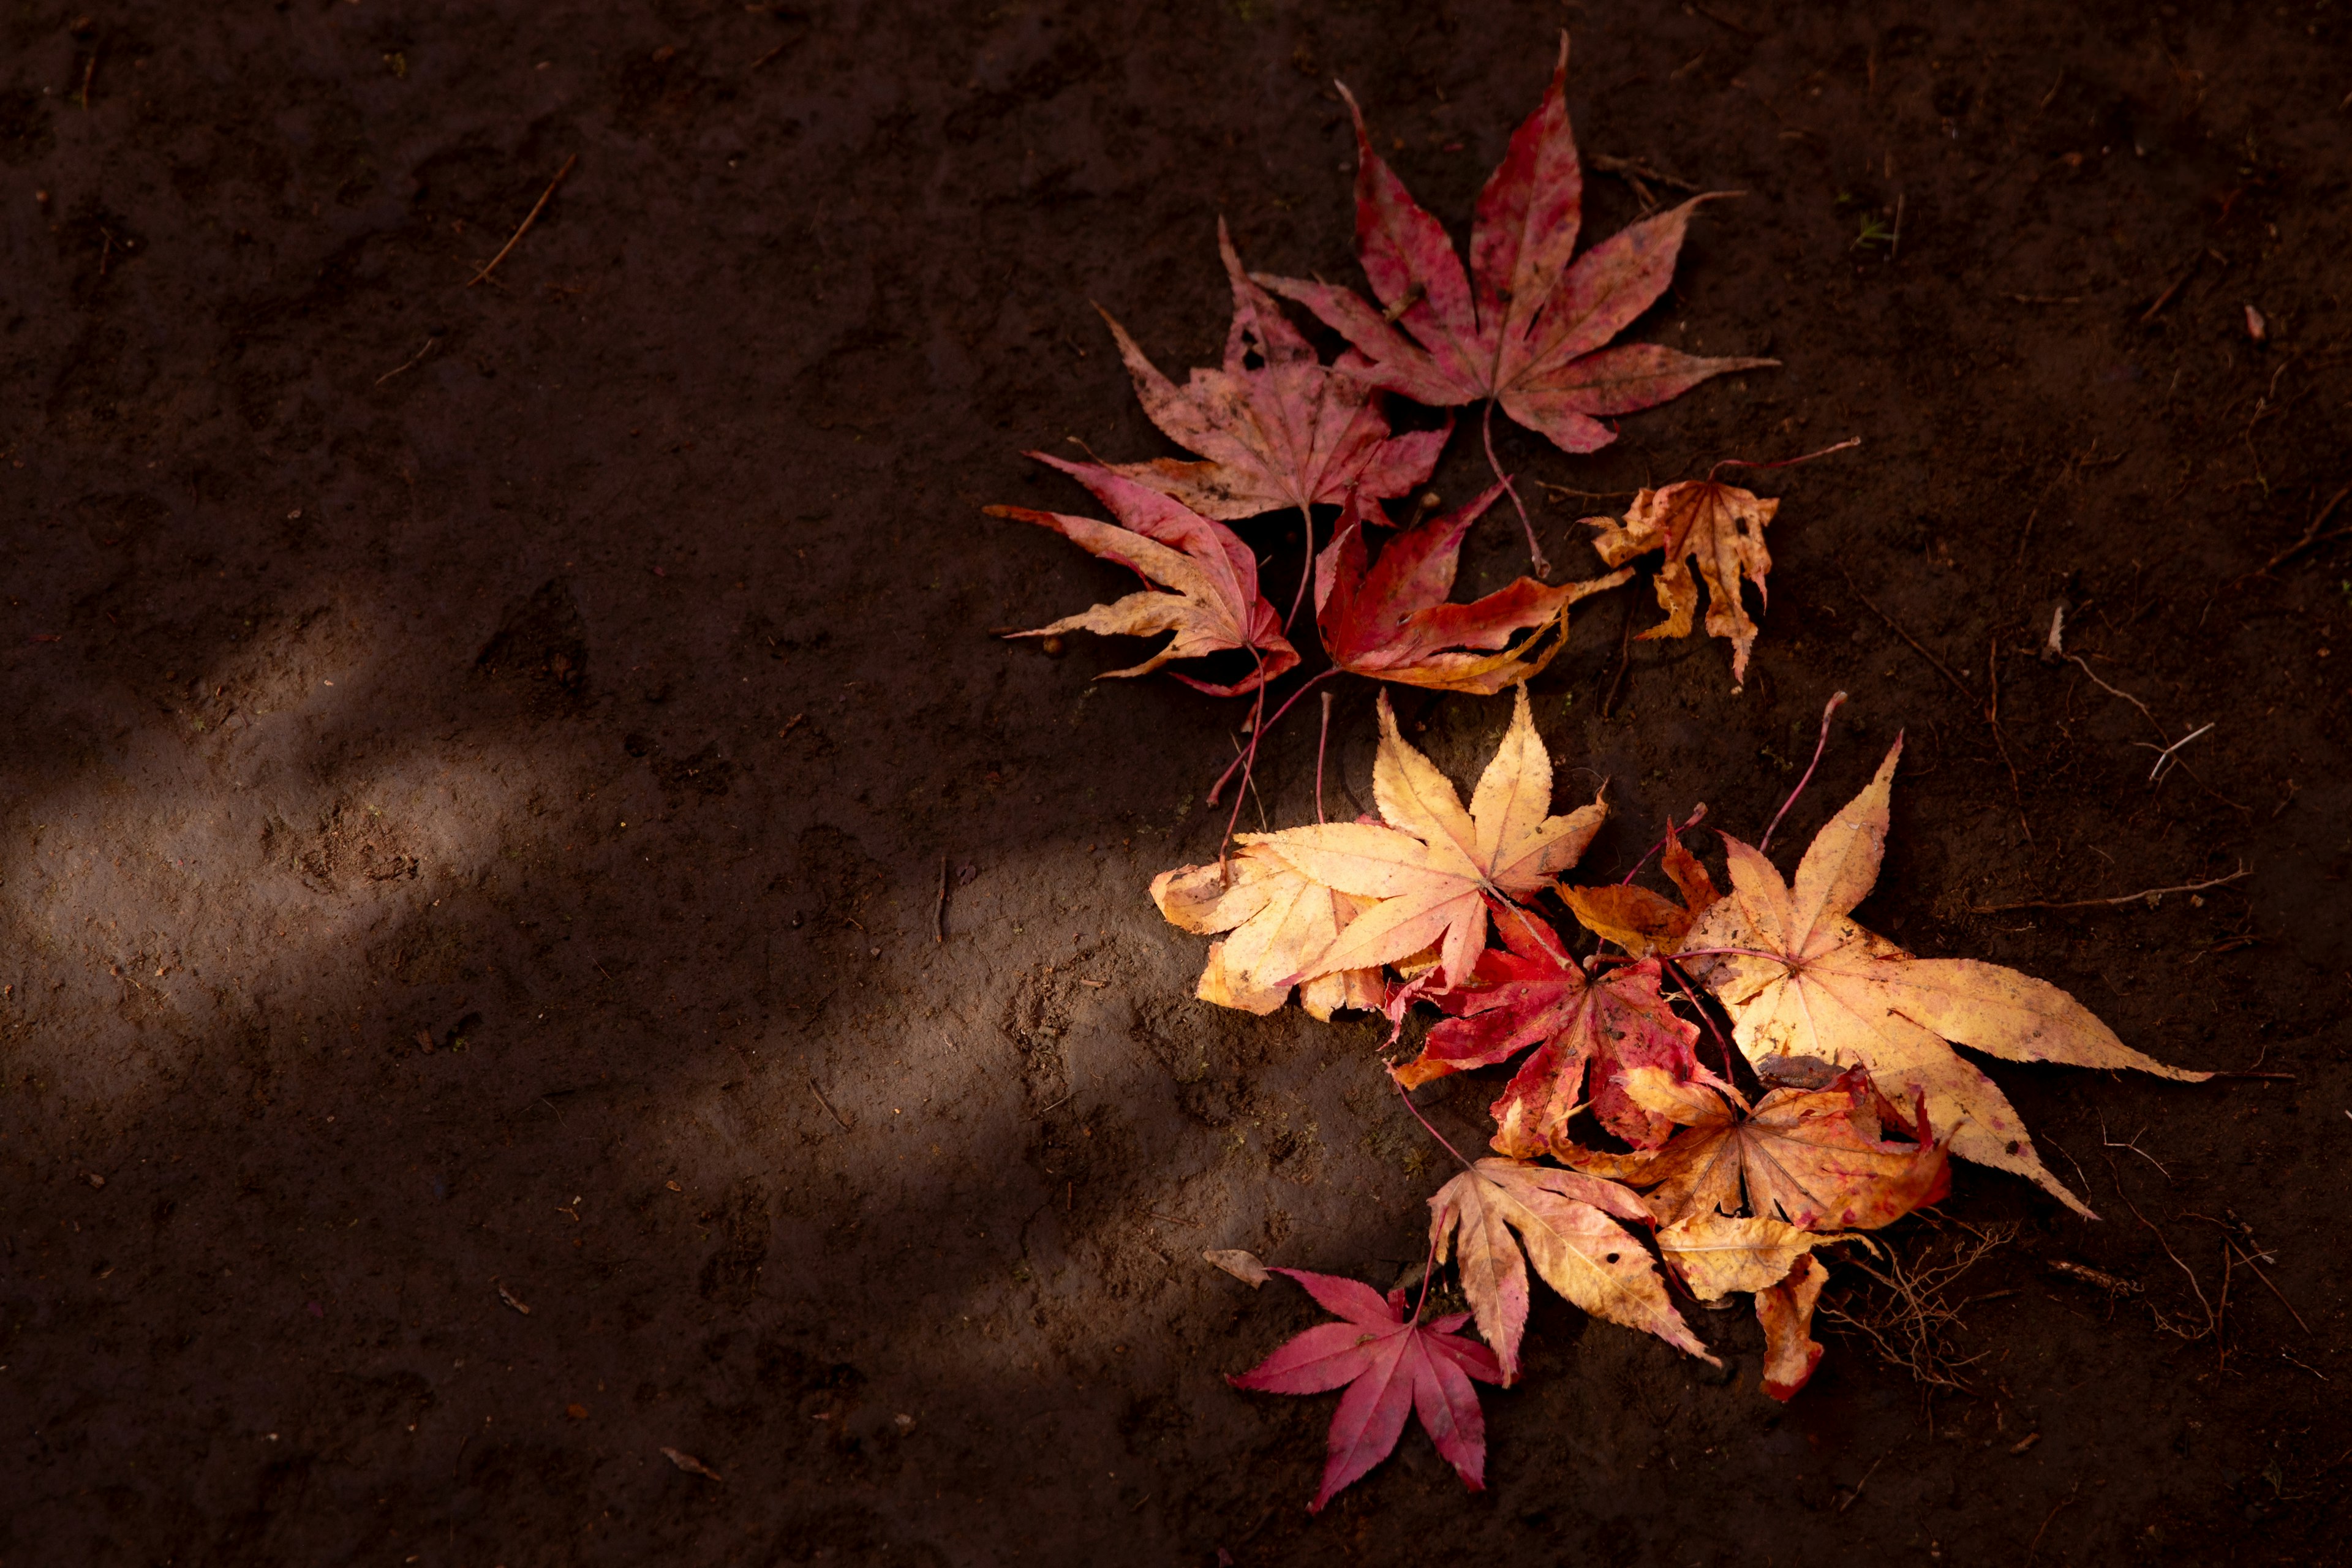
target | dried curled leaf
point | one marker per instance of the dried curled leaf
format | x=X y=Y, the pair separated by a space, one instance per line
x=1241 y=1263
x=1573 y=1229
x=1716 y=1255
x=1638 y=919
x=1721 y=528
x=1390 y=619
x=1210 y=602
x=1285 y=432
x=1803 y=980
x=1786 y=1310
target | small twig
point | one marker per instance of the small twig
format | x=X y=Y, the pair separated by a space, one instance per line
x=1624 y=662
x=2311 y=535
x=2151 y=894
x=2212 y=1322
x=939 y=912
x=1958 y=684
x=2115 y=690
x=836 y=1115
x=1837 y=700
x=544 y=197
x=2133 y=1147
x=1634 y=170
x=1855 y=1496
x=2232 y=1232
x=411 y=365
x=2164 y=757
x=2035 y=1544
x=2178 y=285
x=1895 y=245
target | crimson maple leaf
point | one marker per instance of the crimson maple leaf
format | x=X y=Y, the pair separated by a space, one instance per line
x=1530 y=991
x=1287 y=432
x=1524 y=328
x=1388 y=1365
x=1213 y=603
x=1390 y=619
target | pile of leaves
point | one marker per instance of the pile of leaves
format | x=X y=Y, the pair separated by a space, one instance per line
x=1717 y=1088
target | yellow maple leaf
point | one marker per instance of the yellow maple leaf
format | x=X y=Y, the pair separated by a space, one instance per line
x=1273 y=922
x=1430 y=865
x=1802 y=979
x=1573 y=1229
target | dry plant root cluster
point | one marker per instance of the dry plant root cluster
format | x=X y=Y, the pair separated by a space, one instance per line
x=1715 y=1089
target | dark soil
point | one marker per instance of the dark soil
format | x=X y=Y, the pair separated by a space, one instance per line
x=479 y=762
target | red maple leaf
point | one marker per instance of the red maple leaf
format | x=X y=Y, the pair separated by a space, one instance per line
x=1532 y=993
x=1288 y=431
x=1524 y=328
x=1390 y=619
x=1388 y=1366
x=1213 y=602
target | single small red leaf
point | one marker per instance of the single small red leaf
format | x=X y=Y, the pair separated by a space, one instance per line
x=1388 y=1366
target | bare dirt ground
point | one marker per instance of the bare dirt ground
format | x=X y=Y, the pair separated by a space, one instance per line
x=479 y=760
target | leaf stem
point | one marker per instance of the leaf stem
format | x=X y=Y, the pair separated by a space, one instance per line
x=1429 y=1267
x=1785 y=462
x=1257 y=729
x=1696 y=997
x=1248 y=759
x=1837 y=700
x=1306 y=570
x=1432 y=1132
x=1320 y=742
x=1534 y=550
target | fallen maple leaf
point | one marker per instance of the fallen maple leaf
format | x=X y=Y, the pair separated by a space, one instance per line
x=1275 y=923
x=1812 y=1157
x=1786 y=1310
x=1524 y=328
x=1715 y=1255
x=1799 y=978
x=1571 y=1225
x=1532 y=993
x=1212 y=603
x=1390 y=619
x=1435 y=868
x=1388 y=1365
x=1720 y=527
x=1287 y=432
x=1638 y=919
